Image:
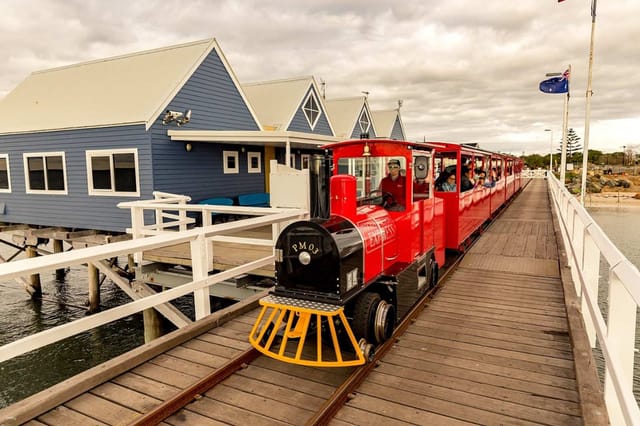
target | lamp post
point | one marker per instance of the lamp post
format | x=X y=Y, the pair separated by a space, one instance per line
x=550 y=150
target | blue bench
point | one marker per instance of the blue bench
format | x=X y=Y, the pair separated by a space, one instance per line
x=220 y=201
x=258 y=199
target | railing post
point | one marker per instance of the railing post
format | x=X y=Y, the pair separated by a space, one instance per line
x=137 y=225
x=621 y=330
x=591 y=267
x=182 y=214
x=577 y=242
x=200 y=271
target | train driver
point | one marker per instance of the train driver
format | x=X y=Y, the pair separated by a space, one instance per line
x=394 y=182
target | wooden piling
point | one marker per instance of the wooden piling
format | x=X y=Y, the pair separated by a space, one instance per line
x=34 y=280
x=94 y=289
x=152 y=325
x=58 y=248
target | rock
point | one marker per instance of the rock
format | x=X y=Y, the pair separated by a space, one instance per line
x=594 y=187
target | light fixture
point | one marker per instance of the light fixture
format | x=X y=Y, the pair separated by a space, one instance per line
x=179 y=117
x=366 y=151
x=188 y=147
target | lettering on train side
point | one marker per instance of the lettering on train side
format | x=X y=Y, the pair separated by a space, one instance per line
x=305 y=245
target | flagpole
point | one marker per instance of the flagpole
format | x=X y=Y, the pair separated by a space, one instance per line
x=587 y=118
x=565 y=122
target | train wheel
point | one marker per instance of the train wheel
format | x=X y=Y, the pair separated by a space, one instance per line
x=373 y=318
x=434 y=273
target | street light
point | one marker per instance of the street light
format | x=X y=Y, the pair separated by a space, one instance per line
x=550 y=150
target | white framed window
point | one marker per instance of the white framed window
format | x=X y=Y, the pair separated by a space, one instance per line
x=45 y=173
x=304 y=160
x=5 y=176
x=230 y=162
x=311 y=109
x=254 y=162
x=113 y=172
x=364 y=121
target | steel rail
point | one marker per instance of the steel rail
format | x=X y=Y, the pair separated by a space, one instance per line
x=180 y=400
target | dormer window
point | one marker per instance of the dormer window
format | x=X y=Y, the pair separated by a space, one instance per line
x=311 y=110
x=364 y=122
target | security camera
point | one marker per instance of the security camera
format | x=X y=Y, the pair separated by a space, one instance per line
x=179 y=117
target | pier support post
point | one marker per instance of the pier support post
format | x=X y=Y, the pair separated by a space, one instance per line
x=152 y=324
x=94 y=288
x=58 y=248
x=34 y=280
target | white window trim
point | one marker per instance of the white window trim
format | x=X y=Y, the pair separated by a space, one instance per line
x=315 y=98
x=303 y=158
x=251 y=155
x=292 y=161
x=26 y=156
x=6 y=190
x=111 y=192
x=229 y=170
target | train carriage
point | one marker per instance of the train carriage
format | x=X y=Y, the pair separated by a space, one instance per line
x=346 y=277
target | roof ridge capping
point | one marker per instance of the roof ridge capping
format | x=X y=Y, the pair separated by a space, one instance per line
x=127 y=55
x=279 y=80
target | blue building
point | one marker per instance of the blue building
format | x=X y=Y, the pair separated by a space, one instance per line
x=77 y=140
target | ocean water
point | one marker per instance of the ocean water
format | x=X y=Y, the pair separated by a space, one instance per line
x=621 y=226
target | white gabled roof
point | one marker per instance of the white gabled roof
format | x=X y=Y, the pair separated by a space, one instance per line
x=385 y=120
x=276 y=102
x=127 y=89
x=345 y=113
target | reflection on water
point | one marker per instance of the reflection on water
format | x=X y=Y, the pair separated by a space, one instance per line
x=621 y=226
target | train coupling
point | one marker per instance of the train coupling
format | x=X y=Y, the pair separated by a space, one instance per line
x=306 y=333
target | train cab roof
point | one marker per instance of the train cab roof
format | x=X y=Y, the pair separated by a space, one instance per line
x=377 y=147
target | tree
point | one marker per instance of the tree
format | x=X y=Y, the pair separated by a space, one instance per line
x=573 y=144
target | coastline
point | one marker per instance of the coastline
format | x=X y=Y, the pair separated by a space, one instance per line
x=612 y=200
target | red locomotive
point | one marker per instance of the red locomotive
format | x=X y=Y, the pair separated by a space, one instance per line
x=346 y=277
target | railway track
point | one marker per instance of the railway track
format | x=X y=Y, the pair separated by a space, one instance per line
x=341 y=394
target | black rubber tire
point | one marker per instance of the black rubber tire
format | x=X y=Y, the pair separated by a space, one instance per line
x=364 y=315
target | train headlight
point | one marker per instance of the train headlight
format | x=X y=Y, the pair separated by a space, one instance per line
x=304 y=258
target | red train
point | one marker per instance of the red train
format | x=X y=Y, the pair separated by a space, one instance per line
x=348 y=275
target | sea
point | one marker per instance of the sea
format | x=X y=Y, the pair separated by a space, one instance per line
x=66 y=299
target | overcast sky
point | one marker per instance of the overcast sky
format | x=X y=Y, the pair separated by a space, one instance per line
x=466 y=70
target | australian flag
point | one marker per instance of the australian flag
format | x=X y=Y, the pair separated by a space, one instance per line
x=556 y=84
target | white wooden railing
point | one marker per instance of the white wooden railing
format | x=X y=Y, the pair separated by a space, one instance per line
x=534 y=174
x=586 y=244
x=147 y=237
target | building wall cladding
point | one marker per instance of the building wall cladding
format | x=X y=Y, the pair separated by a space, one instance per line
x=299 y=122
x=76 y=209
x=396 y=132
x=216 y=104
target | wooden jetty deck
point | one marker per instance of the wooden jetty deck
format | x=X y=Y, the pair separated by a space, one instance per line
x=500 y=343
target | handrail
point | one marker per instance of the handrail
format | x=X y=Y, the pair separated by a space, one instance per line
x=586 y=244
x=200 y=246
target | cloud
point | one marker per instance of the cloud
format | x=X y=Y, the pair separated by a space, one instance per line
x=466 y=71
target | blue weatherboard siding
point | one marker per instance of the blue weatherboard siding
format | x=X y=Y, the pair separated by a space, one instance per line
x=77 y=209
x=396 y=132
x=299 y=122
x=216 y=104
x=355 y=134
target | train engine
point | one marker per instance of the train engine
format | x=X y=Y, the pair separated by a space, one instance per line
x=320 y=271
x=346 y=279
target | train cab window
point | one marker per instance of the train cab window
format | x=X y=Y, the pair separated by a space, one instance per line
x=421 y=177
x=445 y=165
x=466 y=173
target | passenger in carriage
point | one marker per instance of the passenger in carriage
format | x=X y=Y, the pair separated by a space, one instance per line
x=449 y=184
x=394 y=184
x=465 y=181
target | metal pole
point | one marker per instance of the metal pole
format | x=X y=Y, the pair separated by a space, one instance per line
x=550 y=150
x=565 y=122
x=587 y=118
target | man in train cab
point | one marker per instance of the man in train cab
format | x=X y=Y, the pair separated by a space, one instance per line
x=394 y=184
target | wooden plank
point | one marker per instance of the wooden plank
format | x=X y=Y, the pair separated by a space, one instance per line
x=288 y=381
x=101 y=409
x=152 y=388
x=120 y=395
x=56 y=395
x=355 y=416
x=223 y=412
x=63 y=416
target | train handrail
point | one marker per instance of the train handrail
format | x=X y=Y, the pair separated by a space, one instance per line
x=587 y=244
x=199 y=240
